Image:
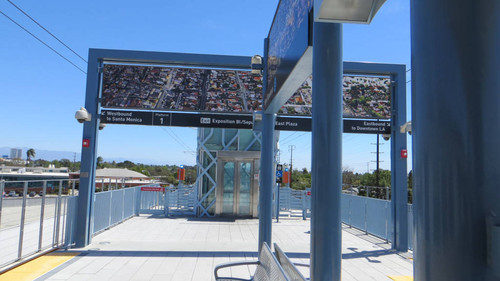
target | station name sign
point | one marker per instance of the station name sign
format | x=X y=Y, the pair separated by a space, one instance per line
x=231 y=121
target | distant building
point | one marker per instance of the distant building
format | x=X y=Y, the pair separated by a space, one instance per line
x=15 y=173
x=117 y=178
x=16 y=153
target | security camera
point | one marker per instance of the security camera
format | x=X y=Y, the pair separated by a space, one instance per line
x=386 y=136
x=102 y=126
x=256 y=64
x=82 y=115
x=405 y=128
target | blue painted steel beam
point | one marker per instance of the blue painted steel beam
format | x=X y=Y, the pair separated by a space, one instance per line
x=455 y=122
x=326 y=236
x=181 y=59
x=85 y=214
x=267 y=171
x=267 y=168
x=399 y=177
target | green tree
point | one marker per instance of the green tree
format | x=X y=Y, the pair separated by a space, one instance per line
x=65 y=163
x=100 y=161
x=29 y=154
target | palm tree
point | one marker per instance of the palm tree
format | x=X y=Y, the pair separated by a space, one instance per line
x=30 y=153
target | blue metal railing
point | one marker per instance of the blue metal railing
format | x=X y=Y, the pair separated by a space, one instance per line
x=373 y=216
x=367 y=214
x=35 y=216
x=113 y=207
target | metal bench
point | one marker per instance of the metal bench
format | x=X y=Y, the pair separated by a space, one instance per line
x=290 y=267
x=268 y=268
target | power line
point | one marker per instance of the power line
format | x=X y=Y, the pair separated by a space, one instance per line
x=286 y=142
x=22 y=27
x=177 y=139
x=287 y=137
x=26 y=14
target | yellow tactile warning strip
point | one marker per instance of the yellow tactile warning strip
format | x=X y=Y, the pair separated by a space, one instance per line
x=38 y=267
x=401 y=278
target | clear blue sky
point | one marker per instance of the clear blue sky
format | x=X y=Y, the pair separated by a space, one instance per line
x=40 y=92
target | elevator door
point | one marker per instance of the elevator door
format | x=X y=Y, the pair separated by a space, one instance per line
x=236 y=186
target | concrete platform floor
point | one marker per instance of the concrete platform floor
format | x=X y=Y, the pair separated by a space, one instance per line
x=151 y=247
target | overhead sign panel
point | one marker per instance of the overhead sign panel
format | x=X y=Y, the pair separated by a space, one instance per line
x=180 y=89
x=363 y=97
x=289 y=42
x=228 y=91
x=231 y=121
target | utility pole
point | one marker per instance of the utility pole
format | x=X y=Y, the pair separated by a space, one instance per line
x=377 y=176
x=291 y=148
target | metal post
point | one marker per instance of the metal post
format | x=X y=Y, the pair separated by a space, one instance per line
x=123 y=203
x=278 y=203
x=266 y=179
x=137 y=200
x=110 y=205
x=2 y=189
x=326 y=246
x=23 y=217
x=73 y=187
x=455 y=117
x=58 y=213
x=399 y=170
x=304 y=207
x=42 y=216
x=267 y=168
x=85 y=213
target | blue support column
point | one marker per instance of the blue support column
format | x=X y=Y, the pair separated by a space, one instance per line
x=399 y=176
x=326 y=235
x=85 y=213
x=267 y=167
x=455 y=122
x=266 y=179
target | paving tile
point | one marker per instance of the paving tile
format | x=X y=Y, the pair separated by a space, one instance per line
x=180 y=249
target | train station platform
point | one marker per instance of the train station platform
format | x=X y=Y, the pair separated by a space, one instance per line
x=149 y=247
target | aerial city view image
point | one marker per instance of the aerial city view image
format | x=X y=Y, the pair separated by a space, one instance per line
x=363 y=97
x=188 y=89
x=169 y=88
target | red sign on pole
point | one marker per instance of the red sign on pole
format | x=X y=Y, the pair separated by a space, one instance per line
x=404 y=153
x=152 y=188
x=309 y=193
x=86 y=143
